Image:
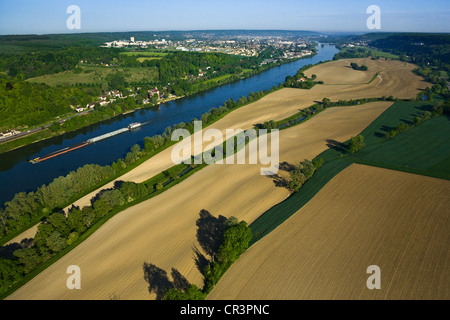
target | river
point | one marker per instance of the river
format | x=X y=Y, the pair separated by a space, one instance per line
x=18 y=175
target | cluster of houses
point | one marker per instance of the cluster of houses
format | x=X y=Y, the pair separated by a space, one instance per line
x=104 y=100
x=112 y=96
x=8 y=133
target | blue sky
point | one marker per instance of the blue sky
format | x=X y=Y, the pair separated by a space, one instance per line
x=49 y=16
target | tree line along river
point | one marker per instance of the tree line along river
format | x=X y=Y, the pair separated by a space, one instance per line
x=17 y=174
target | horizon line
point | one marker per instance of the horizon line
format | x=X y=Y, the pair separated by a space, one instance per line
x=215 y=30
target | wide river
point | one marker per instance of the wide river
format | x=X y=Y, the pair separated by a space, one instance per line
x=17 y=174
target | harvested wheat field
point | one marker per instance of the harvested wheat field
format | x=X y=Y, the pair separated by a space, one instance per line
x=162 y=230
x=364 y=216
x=340 y=71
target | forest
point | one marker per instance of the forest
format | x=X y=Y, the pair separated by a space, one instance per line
x=423 y=49
x=26 y=102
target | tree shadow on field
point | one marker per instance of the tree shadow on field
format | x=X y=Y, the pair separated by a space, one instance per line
x=336 y=145
x=279 y=180
x=200 y=260
x=159 y=282
x=210 y=232
x=426 y=107
x=384 y=130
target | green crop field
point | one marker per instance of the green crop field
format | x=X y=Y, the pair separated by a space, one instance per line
x=141 y=59
x=97 y=75
x=423 y=150
x=219 y=79
x=398 y=112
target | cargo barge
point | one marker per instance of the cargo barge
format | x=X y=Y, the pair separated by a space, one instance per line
x=85 y=143
x=59 y=152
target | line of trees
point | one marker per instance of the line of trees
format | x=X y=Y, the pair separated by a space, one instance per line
x=438 y=109
x=301 y=173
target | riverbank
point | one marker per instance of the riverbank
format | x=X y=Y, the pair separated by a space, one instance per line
x=42 y=132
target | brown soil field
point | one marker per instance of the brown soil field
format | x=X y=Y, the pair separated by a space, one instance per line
x=162 y=230
x=364 y=216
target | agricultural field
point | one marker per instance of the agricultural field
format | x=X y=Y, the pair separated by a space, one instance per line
x=340 y=72
x=97 y=75
x=146 y=55
x=364 y=216
x=155 y=54
x=424 y=150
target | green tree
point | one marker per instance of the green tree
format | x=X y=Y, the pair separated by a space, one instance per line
x=235 y=242
x=300 y=174
x=10 y=272
x=72 y=238
x=89 y=216
x=191 y=293
x=356 y=144
x=28 y=257
x=107 y=201
x=155 y=99
x=326 y=102
x=59 y=222
x=417 y=121
x=391 y=134
x=402 y=127
x=318 y=163
x=55 y=242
